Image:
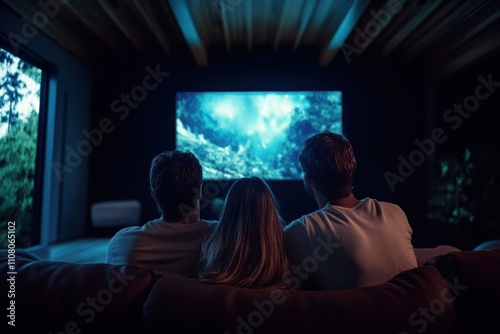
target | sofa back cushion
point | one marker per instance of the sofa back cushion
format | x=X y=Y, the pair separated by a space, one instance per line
x=414 y=301
x=424 y=254
x=474 y=279
x=59 y=297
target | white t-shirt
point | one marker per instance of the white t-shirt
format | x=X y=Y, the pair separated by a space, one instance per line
x=166 y=248
x=340 y=248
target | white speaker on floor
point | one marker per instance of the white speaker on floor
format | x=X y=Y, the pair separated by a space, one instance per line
x=116 y=213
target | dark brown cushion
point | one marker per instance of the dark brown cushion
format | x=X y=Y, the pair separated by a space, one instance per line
x=65 y=297
x=475 y=280
x=424 y=254
x=414 y=301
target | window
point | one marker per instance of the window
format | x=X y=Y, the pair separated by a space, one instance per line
x=20 y=148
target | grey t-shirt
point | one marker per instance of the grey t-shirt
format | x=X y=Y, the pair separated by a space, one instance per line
x=340 y=248
x=166 y=248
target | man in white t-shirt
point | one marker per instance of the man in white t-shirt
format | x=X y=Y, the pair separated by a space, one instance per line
x=347 y=243
x=170 y=244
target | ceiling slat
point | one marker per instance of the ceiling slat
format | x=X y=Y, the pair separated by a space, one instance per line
x=289 y=16
x=471 y=53
x=189 y=31
x=249 y=22
x=125 y=23
x=410 y=26
x=440 y=34
x=149 y=17
x=96 y=21
x=307 y=11
x=225 y=26
x=54 y=29
x=169 y=30
x=351 y=18
x=429 y=30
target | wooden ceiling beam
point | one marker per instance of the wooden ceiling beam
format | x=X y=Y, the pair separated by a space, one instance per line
x=150 y=18
x=95 y=20
x=437 y=30
x=289 y=15
x=397 y=21
x=188 y=28
x=125 y=23
x=470 y=40
x=52 y=29
x=416 y=20
x=470 y=54
x=307 y=12
x=430 y=31
x=225 y=25
x=352 y=16
x=249 y=23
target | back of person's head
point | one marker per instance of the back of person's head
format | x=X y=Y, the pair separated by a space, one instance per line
x=328 y=160
x=175 y=179
x=247 y=247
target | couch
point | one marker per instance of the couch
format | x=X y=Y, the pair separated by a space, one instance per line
x=455 y=292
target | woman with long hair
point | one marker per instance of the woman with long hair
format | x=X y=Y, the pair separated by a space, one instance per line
x=247 y=248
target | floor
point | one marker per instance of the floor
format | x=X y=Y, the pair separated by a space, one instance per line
x=86 y=250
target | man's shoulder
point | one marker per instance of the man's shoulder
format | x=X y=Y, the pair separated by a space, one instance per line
x=125 y=233
x=301 y=222
x=378 y=201
x=128 y=230
x=121 y=241
x=131 y=231
x=385 y=205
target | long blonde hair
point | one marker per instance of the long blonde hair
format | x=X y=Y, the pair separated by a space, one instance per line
x=247 y=248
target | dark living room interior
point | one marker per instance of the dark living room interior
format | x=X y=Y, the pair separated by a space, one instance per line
x=419 y=83
x=92 y=90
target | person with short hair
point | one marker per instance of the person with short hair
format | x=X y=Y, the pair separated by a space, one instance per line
x=347 y=243
x=170 y=244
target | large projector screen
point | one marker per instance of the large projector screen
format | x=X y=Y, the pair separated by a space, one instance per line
x=241 y=134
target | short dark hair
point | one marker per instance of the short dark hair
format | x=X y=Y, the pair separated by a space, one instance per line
x=175 y=179
x=328 y=160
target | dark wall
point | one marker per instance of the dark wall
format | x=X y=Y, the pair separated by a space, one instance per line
x=465 y=192
x=384 y=113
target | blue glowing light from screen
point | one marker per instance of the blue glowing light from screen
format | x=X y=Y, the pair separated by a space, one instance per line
x=240 y=134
